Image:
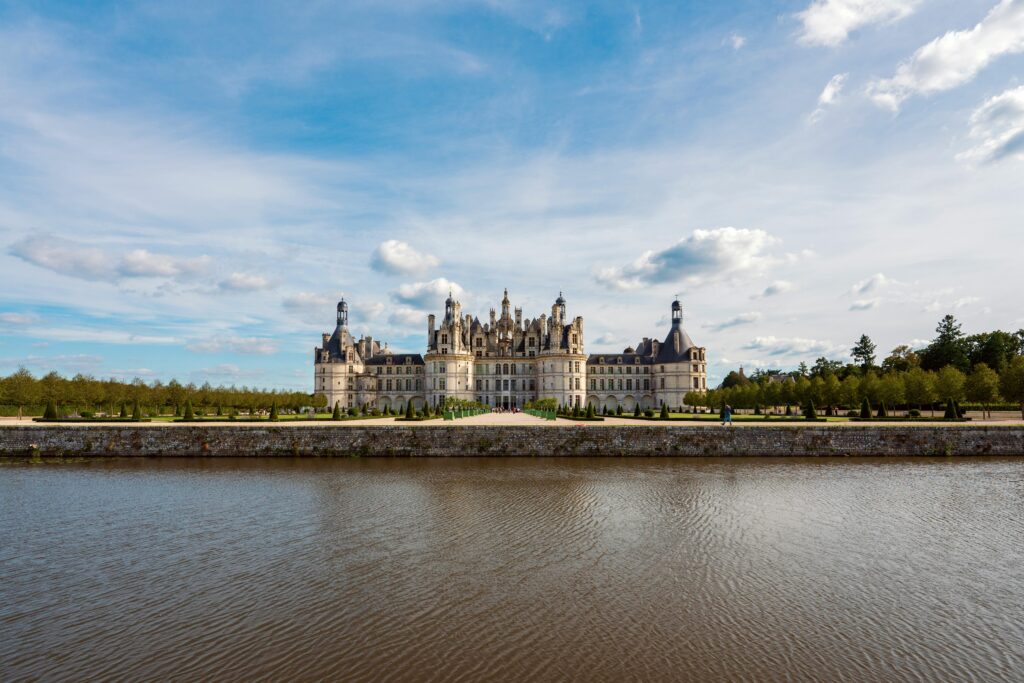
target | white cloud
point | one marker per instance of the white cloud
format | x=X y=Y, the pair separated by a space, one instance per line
x=226 y=371
x=876 y=282
x=397 y=257
x=830 y=22
x=955 y=58
x=736 y=321
x=774 y=289
x=89 y=263
x=18 y=318
x=703 y=256
x=951 y=305
x=259 y=346
x=998 y=127
x=407 y=317
x=829 y=95
x=243 y=282
x=737 y=41
x=141 y=263
x=427 y=295
x=793 y=346
x=865 y=304
x=64 y=257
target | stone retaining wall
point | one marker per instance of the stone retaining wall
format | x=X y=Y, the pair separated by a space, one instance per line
x=510 y=441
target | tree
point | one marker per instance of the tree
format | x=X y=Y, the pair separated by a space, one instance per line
x=823 y=367
x=336 y=415
x=636 y=410
x=865 y=409
x=1011 y=383
x=901 y=359
x=920 y=388
x=809 y=412
x=664 y=412
x=21 y=389
x=849 y=392
x=590 y=410
x=273 y=411
x=994 y=349
x=735 y=379
x=51 y=410
x=189 y=413
x=136 y=411
x=949 y=383
x=982 y=386
x=863 y=352
x=124 y=411
x=948 y=347
x=891 y=391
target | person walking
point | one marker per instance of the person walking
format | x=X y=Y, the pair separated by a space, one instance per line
x=727 y=415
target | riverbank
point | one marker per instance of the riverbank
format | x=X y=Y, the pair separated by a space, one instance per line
x=453 y=440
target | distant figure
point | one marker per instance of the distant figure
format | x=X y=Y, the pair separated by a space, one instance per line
x=727 y=415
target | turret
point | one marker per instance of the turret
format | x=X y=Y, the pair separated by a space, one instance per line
x=677 y=313
x=430 y=331
x=343 y=314
x=504 y=306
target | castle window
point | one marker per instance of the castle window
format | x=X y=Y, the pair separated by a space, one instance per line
x=662 y=382
x=442 y=384
x=574 y=339
x=629 y=385
x=696 y=368
x=444 y=338
x=593 y=384
x=479 y=342
x=532 y=342
x=389 y=369
x=577 y=384
x=602 y=385
x=504 y=370
x=418 y=384
x=696 y=383
x=389 y=385
x=647 y=383
x=380 y=384
x=620 y=385
x=513 y=368
x=380 y=370
x=532 y=385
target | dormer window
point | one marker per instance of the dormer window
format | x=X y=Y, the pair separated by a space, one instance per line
x=444 y=338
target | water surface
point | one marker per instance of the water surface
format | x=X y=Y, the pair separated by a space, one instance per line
x=561 y=569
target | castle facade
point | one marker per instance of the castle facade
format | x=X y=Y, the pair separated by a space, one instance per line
x=506 y=362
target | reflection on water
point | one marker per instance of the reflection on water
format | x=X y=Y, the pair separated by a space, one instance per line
x=513 y=569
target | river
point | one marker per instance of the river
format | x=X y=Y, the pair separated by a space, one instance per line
x=513 y=569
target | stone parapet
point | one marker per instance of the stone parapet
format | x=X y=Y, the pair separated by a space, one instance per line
x=458 y=441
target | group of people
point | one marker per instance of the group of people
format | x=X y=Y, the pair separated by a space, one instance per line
x=499 y=409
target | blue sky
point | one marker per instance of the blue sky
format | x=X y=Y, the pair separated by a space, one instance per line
x=187 y=188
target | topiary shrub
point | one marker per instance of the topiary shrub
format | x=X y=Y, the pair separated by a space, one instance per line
x=274 y=417
x=136 y=411
x=882 y=412
x=853 y=413
x=189 y=413
x=789 y=410
x=757 y=409
x=649 y=413
x=636 y=410
x=664 y=412
x=950 y=413
x=51 y=410
x=336 y=415
x=353 y=411
x=865 y=409
x=809 y=412
x=914 y=413
x=618 y=410
x=124 y=410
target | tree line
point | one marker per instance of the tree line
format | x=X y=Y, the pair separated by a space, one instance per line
x=22 y=391
x=985 y=369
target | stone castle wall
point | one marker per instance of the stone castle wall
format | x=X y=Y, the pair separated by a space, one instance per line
x=449 y=440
